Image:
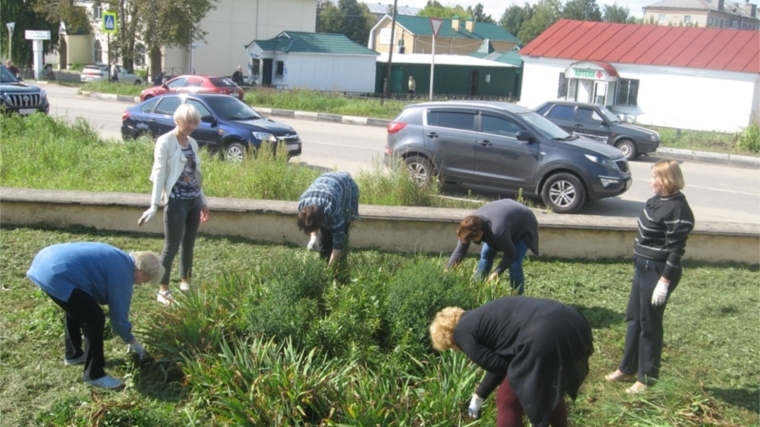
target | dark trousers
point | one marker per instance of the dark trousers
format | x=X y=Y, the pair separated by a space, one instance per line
x=327 y=242
x=84 y=316
x=643 y=339
x=181 y=221
x=510 y=412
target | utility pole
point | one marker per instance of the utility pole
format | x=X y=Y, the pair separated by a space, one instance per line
x=387 y=84
x=10 y=26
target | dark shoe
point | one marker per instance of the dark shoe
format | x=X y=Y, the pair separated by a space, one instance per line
x=75 y=361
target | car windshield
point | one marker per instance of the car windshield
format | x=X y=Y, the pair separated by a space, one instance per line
x=608 y=115
x=229 y=108
x=6 y=76
x=544 y=127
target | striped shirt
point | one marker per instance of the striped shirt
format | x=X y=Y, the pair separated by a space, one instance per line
x=664 y=226
x=337 y=195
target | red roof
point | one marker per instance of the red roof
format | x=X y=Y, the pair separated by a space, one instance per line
x=704 y=48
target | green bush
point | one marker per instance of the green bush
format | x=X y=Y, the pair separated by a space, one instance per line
x=749 y=139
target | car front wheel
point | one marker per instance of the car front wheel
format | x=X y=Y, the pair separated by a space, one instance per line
x=563 y=193
x=627 y=148
x=234 y=152
x=419 y=168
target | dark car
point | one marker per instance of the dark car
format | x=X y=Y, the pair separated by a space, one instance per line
x=21 y=98
x=195 y=83
x=496 y=146
x=227 y=124
x=599 y=123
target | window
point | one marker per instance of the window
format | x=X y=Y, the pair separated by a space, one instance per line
x=562 y=112
x=587 y=115
x=168 y=106
x=194 y=82
x=256 y=66
x=451 y=119
x=97 y=12
x=662 y=17
x=148 y=106
x=98 y=53
x=177 y=82
x=627 y=92
x=500 y=126
x=542 y=111
x=687 y=19
x=280 y=70
x=562 y=86
x=204 y=112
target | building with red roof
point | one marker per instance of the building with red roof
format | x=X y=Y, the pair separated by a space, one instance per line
x=690 y=78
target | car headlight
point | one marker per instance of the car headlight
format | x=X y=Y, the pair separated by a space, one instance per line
x=43 y=94
x=264 y=136
x=602 y=161
x=655 y=137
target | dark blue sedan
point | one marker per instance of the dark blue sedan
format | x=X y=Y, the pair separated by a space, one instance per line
x=228 y=125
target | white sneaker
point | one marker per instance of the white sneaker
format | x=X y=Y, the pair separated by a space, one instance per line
x=76 y=361
x=165 y=297
x=107 y=382
x=184 y=287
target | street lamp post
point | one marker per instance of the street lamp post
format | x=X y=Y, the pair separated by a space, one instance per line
x=10 y=26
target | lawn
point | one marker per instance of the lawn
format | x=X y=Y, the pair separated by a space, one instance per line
x=271 y=337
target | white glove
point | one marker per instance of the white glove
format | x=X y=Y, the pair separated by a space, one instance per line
x=314 y=243
x=475 y=405
x=660 y=293
x=137 y=348
x=147 y=215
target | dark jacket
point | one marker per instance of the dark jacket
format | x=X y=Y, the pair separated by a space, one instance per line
x=237 y=77
x=505 y=223
x=541 y=346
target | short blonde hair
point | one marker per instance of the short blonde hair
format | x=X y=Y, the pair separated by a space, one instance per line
x=186 y=113
x=150 y=264
x=668 y=173
x=442 y=328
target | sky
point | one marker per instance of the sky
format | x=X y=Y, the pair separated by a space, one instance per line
x=496 y=8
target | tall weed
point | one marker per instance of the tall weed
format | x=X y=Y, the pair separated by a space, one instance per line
x=749 y=139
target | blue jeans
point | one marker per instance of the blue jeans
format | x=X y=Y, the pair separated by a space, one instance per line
x=516 y=275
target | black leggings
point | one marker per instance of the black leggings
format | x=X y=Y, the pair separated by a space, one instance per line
x=181 y=221
x=84 y=315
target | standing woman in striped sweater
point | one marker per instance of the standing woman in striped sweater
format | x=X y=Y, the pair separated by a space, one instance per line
x=664 y=226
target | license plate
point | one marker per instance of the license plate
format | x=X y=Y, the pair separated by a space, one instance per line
x=26 y=111
x=292 y=147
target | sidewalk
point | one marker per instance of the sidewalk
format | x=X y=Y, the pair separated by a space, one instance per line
x=662 y=152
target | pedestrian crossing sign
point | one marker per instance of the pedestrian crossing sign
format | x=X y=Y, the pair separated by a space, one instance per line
x=109 y=22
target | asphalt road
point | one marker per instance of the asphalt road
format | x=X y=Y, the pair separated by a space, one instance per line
x=718 y=193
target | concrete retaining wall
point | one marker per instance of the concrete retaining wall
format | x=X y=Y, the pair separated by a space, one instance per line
x=399 y=229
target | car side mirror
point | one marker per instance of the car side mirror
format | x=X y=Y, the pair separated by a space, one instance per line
x=524 y=135
x=209 y=119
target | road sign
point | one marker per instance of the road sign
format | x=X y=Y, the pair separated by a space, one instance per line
x=109 y=22
x=37 y=35
x=10 y=26
x=436 y=24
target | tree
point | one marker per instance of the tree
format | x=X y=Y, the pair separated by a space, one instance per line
x=433 y=9
x=515 y=17
x=26 y=18
x=349 y=18
x=478 y=15
x=615 y=13
x=582 y=10
x=545 y=13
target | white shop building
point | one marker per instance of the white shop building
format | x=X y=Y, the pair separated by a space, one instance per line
x=689 y=78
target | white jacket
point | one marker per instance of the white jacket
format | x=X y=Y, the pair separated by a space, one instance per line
x=168 y=164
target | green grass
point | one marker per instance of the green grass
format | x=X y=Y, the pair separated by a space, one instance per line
x=118 y=88
x=220 y=357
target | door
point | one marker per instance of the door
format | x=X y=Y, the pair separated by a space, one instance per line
x=163 y=119
x=266 y=73
x=563 y=116
x=207 y=133
x=600 y=93
x=588 y=122
x=451 y=133
x=474 y=79
x=501 y=160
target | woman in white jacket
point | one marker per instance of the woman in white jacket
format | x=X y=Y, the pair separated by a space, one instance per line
x=177 y=183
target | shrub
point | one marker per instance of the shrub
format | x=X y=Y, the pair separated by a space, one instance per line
x=749 y=139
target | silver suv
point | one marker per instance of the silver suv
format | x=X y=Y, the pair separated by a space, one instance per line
x=496 y=146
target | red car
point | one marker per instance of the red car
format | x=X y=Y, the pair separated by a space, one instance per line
x=194 y=83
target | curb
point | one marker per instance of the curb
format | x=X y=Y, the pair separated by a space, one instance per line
x=662 y=152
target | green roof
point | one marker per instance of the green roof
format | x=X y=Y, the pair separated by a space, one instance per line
x=296 y=41
x=420 y=25
x=512 y=57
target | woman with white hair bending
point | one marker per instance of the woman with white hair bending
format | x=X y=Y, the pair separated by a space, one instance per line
x=79 y=277
x=178 y=184
x=534 y=350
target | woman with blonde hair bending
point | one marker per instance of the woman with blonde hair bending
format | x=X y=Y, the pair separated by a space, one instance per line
x=534 y=350
x=178 y=183
x=664 y=226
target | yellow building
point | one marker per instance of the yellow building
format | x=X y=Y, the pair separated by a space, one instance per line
x=703 y=14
